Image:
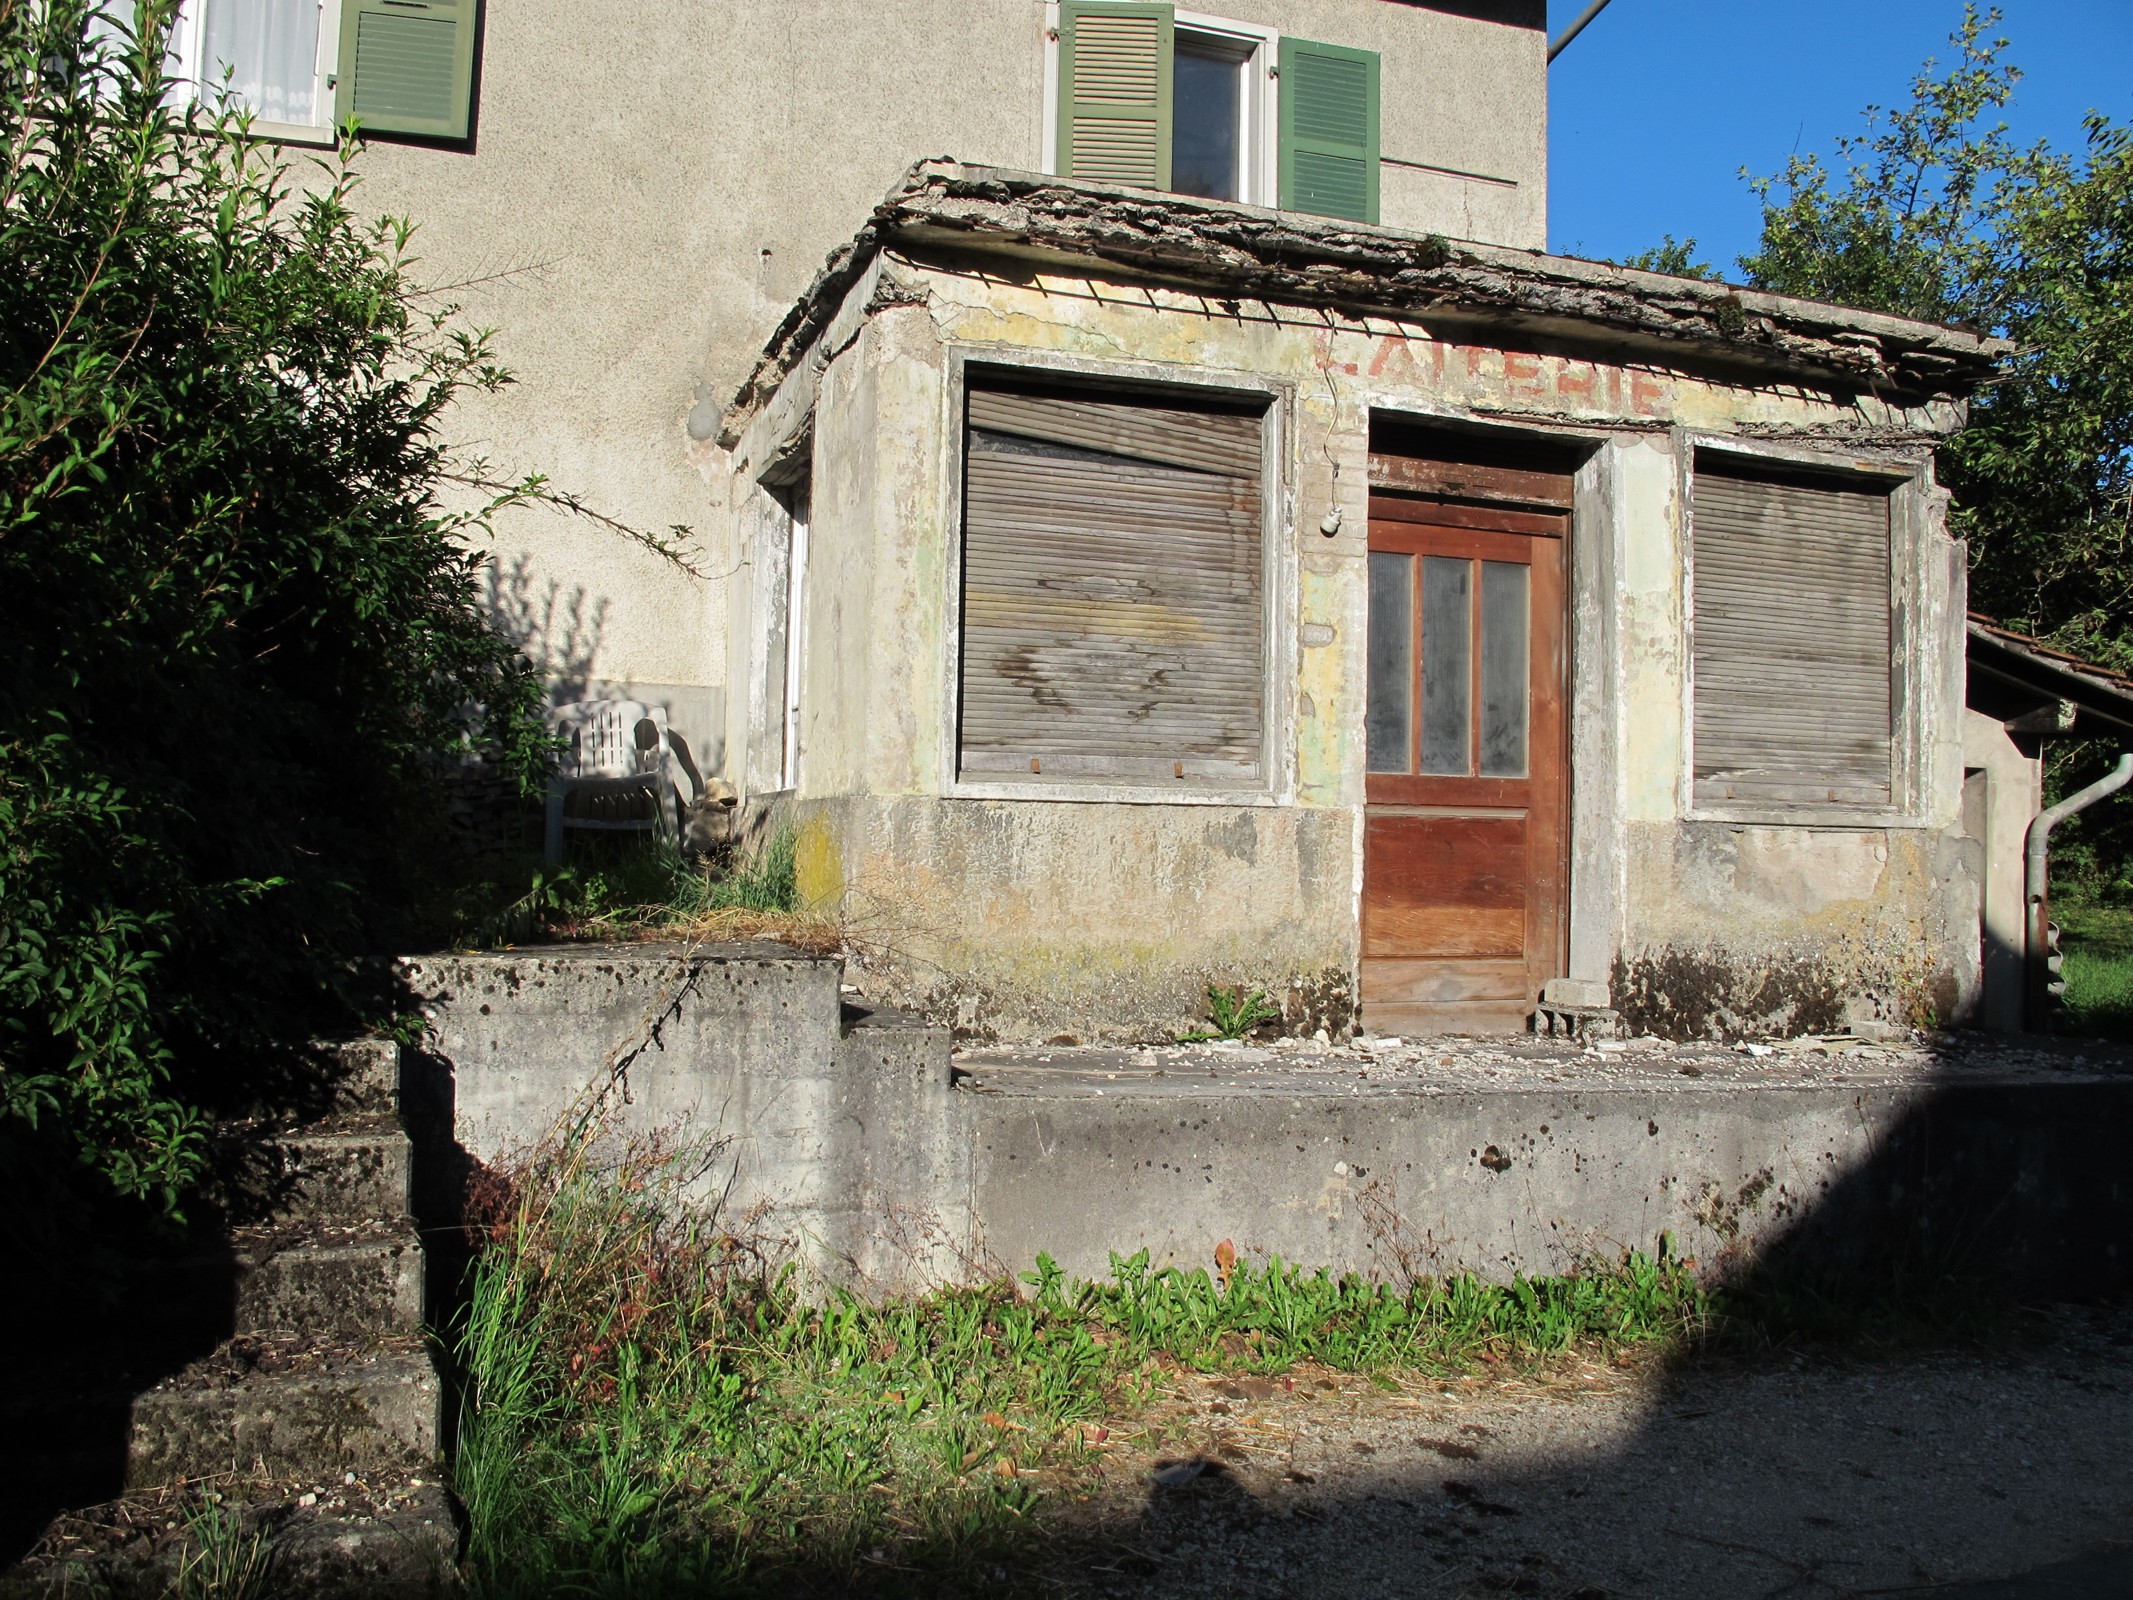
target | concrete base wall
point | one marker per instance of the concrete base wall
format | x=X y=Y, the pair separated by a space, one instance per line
x=836 y=1130
x=843 y=1124
x=2012 y=1182
x=1738 y=931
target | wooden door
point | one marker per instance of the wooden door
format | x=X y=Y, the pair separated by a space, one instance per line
x=1464 y=861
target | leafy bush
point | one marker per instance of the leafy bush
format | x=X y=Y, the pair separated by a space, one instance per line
x=239 y=632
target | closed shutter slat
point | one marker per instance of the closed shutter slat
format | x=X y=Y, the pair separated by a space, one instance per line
x=1792 y=642
x=1329 y=130
x=1211 y=442
x=1114 y=92
x=407 y=66
x=1113 y=590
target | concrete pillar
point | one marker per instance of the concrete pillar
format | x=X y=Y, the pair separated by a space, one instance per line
x=2013 y=793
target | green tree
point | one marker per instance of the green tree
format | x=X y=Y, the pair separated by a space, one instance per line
x=1674 y=257
x=1934 y=213
x=240 y=635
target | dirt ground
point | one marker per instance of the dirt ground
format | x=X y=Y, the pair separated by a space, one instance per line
x=1777 y=1476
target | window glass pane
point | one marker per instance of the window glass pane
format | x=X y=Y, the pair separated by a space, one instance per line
x=1206 y=103
x=1447 y=665
x=269 y=49
x=1503 y=669
x=1390 y=717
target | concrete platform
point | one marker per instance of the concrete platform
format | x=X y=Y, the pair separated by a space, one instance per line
x=887 y=1160
x=1532 y=1155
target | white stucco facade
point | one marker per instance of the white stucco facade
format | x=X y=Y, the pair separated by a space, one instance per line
x=645 y=193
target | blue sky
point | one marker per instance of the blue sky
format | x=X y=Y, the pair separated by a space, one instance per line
x=1659 y=103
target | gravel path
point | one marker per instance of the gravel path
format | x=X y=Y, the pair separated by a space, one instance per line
x=1778 y=1478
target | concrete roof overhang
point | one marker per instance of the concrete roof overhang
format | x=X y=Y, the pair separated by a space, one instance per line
x=942 y=209
x=2033 y=688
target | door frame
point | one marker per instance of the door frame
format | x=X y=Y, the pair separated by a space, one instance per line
x=1509 y=533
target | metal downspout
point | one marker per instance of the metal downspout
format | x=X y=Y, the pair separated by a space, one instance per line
x=1562 y=40
x=2036 y=941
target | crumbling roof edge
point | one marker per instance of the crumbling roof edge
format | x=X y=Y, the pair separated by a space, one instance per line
x=1288 y=256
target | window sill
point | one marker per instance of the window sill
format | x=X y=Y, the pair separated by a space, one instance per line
x=1833 y=818
x=295 y=133
x=1123 y=794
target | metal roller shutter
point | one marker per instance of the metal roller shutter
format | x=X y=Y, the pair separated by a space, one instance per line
x=1113 y=590
x=1792 y=641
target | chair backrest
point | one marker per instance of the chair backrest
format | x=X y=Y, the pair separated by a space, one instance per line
x=604 y=736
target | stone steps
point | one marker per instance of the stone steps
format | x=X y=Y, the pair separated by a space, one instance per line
x=341 y=1284
x=337 y=1280
x=409 y=1551
x=326 y=1372
x=351 y=1170
x=311 y=1411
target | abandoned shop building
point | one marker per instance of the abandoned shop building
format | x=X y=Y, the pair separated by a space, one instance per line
x=1148 y=590
x=1197 y=536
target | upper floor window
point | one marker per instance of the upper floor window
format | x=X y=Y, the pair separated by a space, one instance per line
x=1162 y=99
x=301 y=67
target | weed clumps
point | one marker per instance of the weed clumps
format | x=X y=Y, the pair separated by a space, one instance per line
x=653 y=1401
x=651 y=891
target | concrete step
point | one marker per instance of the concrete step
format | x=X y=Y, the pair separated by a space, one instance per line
x=408 y=1552
x=289 y=1408
x=353 y=1170
x=366 y=1075
x=328 y=1280
x=392 y=1540
x=348 y=1283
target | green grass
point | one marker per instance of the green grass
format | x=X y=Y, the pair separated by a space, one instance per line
x=221 y=1558
x=651 y=1407
x=2097 y=941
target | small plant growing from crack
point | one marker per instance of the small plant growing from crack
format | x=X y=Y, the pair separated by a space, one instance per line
x=222 y=1559
x=1233 y=1013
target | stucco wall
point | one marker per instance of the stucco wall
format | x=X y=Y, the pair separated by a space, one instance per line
x=1023 y=910
x=646 y=193
x=2012 y=781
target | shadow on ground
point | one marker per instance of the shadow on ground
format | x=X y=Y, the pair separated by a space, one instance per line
x=1904 y=1405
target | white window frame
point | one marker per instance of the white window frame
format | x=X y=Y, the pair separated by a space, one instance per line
x=187 y=64
x=799 y=511
x=1259 y=139
x=774 y=626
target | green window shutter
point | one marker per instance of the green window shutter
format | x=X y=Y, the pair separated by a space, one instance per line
x=1329 y=130
x=1114 y=92
x=407 y=66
